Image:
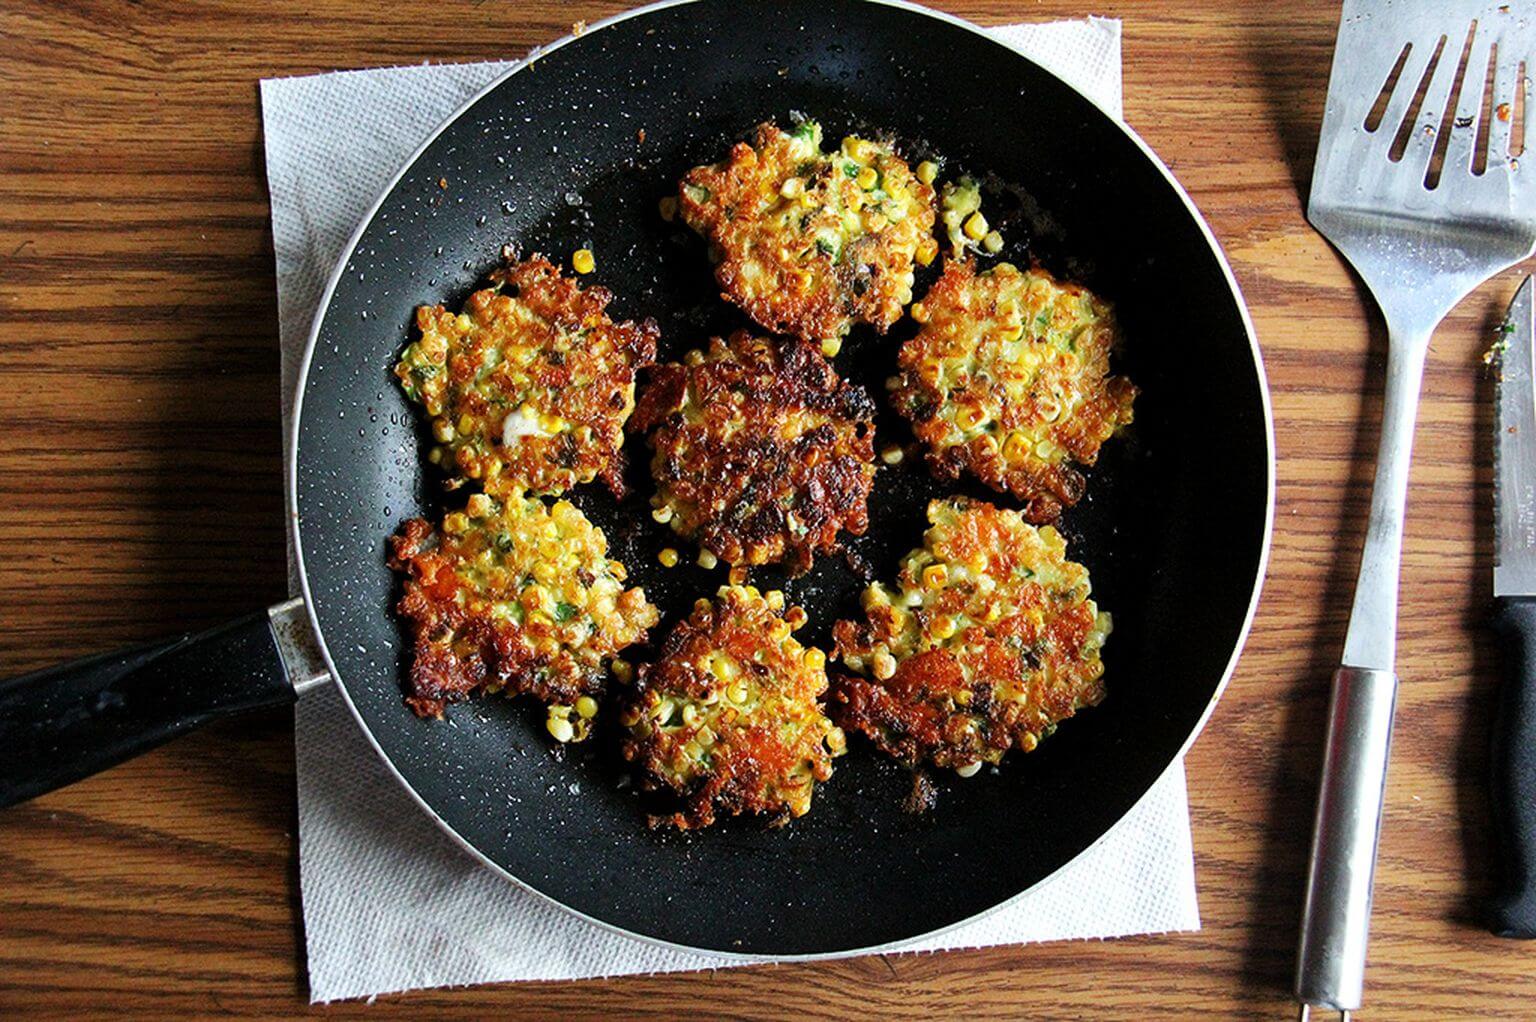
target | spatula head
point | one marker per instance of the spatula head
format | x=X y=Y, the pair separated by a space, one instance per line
x=1418 y=178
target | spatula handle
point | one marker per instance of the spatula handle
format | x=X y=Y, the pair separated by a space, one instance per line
x=1512 y=912
x=1330 y=967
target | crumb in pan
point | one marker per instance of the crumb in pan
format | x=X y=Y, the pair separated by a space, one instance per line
x=729 y=719
x=1008 y=378
x=808 y=242
x=986 y=643
x=516 y=596
x=529 y=386
x=762 y=453
x=964 y=223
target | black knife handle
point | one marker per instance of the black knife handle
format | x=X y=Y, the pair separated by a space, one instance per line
x=1512 y=913
x=67 y=722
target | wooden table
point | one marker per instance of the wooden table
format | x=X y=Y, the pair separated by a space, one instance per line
x=140 y=493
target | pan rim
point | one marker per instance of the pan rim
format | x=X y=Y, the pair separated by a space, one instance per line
x=291 y=494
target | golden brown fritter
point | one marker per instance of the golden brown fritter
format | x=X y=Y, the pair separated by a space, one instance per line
x=728 y=718
x=518 y=597
x=762 y=453
x=808 y=243
x=988 y=642
x=529 y=386
x=1008 y=378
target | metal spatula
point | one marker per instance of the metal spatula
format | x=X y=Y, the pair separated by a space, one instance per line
x=1418 y=183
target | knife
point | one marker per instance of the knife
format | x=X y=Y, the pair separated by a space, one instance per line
x=1512 y=912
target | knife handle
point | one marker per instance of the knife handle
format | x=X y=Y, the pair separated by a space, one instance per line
x=1512 y=912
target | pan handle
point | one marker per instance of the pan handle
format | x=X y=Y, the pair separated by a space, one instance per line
x=64 y=723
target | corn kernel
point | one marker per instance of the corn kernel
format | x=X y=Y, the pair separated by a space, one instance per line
x=466 y=424
x=796 y=618
x=975 y=226
x=707 y=560
x=623 y=670
x=667 y=557
x=943 y=627
x=934 y=576
x=927 y=171
x=831 y=346
x=1010 y=332
x=1016 y=447
x=993 y=242
x=970 y=417
x=738 y=575
x=668 y=208
x=837 y=741
x=815 y=659
x=738 y=692
x=663 y=514
x=693 y=357
x=867 y=178
x=442 y=431
x=874 y=223
x=582 y=260
x=775 y=598
x=883 y=665
x=479 y=505
x=464 y=323
x=690 y=715
x=969 y=770
x=559 y=728
x=458 y=521
x=892 y=455
x=792 y=187
x=586 y=707
x=435 y=455
x=927 y=249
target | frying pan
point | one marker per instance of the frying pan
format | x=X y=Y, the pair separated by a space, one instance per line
x=573 y=150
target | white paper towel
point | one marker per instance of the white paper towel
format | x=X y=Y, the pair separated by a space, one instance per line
x=390 y=902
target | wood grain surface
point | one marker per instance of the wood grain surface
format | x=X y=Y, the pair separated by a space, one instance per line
x=140 y=493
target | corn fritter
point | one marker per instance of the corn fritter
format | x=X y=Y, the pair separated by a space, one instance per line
x=761 y=452
x=986 y=643
x=528 y=387
x=518 y=597
x=728 y=719
x=1008 y=378
x=808 y=242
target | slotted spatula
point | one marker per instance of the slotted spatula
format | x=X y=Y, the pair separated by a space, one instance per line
x=1418 y=184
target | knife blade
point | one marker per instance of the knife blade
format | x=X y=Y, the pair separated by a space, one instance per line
x=1514 y=463
x=1512 y=912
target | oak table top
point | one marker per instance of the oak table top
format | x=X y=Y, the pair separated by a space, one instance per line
x=140 y=494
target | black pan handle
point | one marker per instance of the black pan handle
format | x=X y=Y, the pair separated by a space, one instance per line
x=67 y=722
x=1512 y=912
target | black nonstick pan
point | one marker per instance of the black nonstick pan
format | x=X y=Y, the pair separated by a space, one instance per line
x=574 y=150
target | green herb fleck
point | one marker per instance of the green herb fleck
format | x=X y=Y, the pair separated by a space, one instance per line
x=564 y=612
